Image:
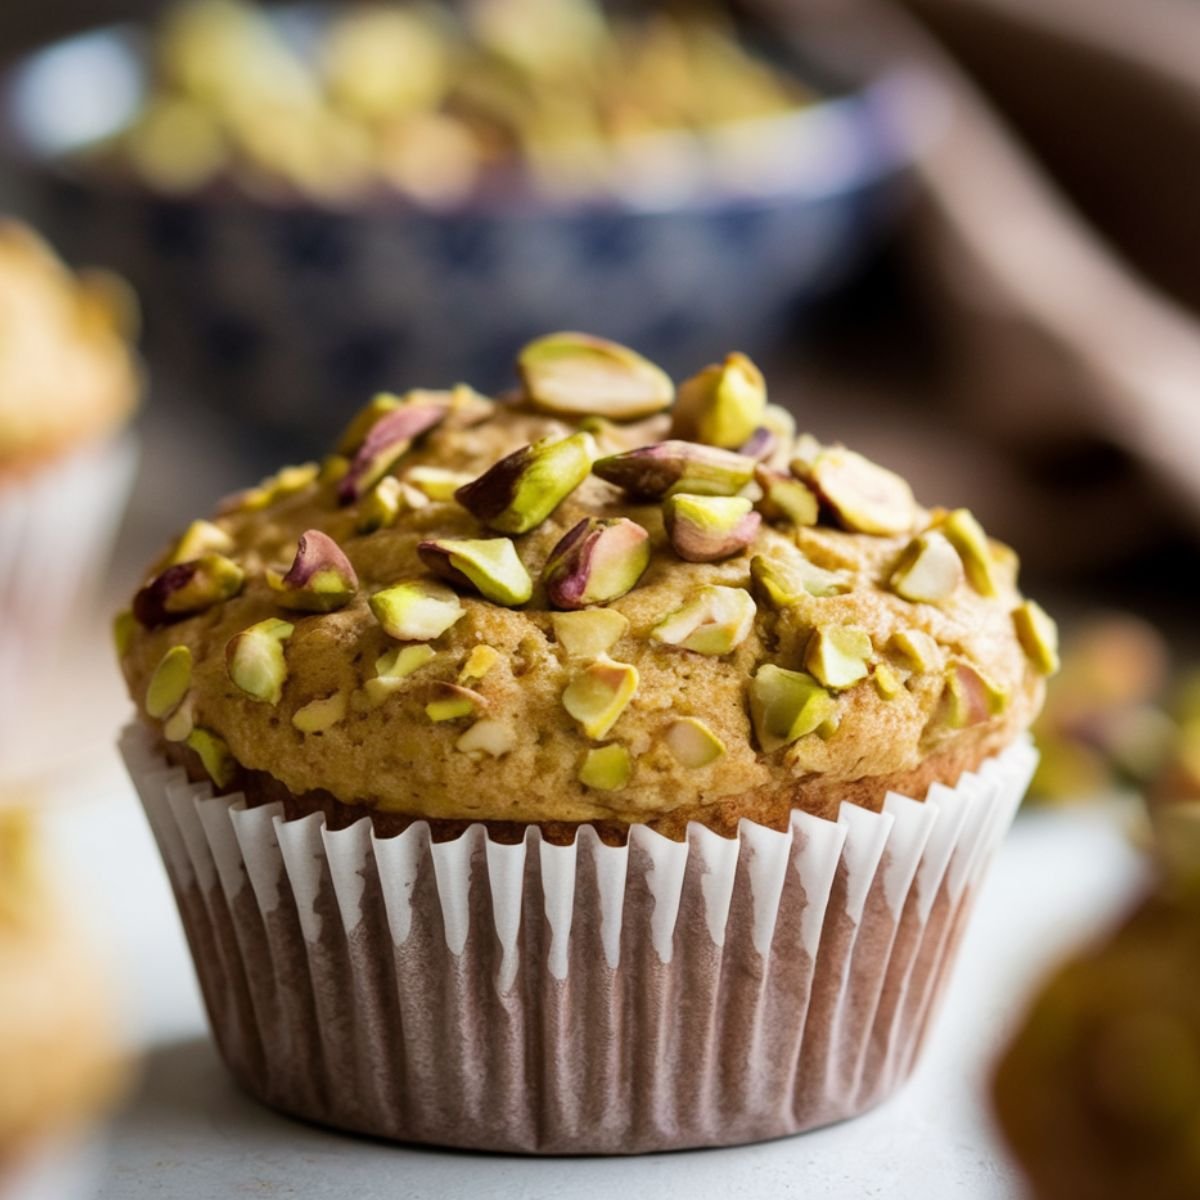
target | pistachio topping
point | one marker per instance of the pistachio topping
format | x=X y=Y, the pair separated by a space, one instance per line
x=692 y=743
x=596 y=561
x=387 y=440
x=837 y=655
x=520 y=491
x=716 y=620
x=918 y=649
x=255 y=660
x=1038 y=635
x=187 y=588
x=199 y=538
x=785 y=499
x=123 y=626
x=722 y=405
x=169 y=683
x=805 y=452
x=416 y=611
x=970 y=697
x=929 y=570
x=709 y=528
x=320 y=579
x=760 y=445
x=479 y=662
x=436 y=483
x=786 y=705
x=780 y=584
x=363 y=421
x=393 y=667
x=214 y=756
x=333 y=468
x=488 y=736
x=380 y=507
x=864 y=497
x=575 y=374
x=491 y=566
x=966 y=535
x=181 y=722
x=286 y=482
x=652 y=472
x=598 y=694
x=606 y=768
x=589 y=632
x=319 y=715
x=887 y=682
x=453 y=702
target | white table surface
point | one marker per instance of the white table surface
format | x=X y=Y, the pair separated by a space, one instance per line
x=189 y=1134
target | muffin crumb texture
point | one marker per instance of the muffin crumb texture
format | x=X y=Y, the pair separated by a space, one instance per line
x=527 y=611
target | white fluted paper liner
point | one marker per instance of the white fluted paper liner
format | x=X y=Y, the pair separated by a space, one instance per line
x=575 y=999
x=57 y=524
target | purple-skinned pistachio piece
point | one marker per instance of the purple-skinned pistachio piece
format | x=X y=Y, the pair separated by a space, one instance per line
x=321 y=577
x=760 y=445
x=187 y=588
x=385 y=443
x=596 y=561
x=785 y=499
x=709 y=528
x=652 y=472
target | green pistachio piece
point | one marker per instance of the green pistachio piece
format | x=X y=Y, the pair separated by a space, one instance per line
x=479 y=662
x=966 y=535
x=200 y=538
x=286 y=482
x=452 y=702
x=837 y=655
x=786 y=705
x=692 y=743
x=416 y=611
x=488 y=736
x=805 y=452
x=255 y=661
x=887 y=682
x=380 y=507
x=652 y=472
x=393 y=667
x=522 y=490
x=187 y=588
x=466 y=407
x=606 y=768
x=970 y=697
x=918 y=648
x=589 y=632
x=715 y=621
x=709 y=528
x=596 y=561
x=598 y=694
x=777 y=428
x=321 y=577
x=489 y=565
x=123 y=626
x=780 y=583
x=786 y=500
x=866 y=498
x=436 y=483
x=722 y=405
x=319 y=715
x=180 y=723
x=364 y=421
x=169 y=683
x=1038 y=635
x=929 y=570
x=214 y=756
x=333 y=468
x=387 y=441
x=574 y=374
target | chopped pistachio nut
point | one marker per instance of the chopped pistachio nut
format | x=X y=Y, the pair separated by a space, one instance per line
x=124 y=623
x=652 y=472
x=709 y=528
x=386 y=442
x=436 y=483
x=780 y=422
x=589 y=632
x=520 y=491
x=865 y=497
x=598 y=693
x=488 y=736
x=716 y=620
x=574 y=374
x=786 y=705
x=187 y=588
x=363 y=421
x=785 y=499
x=970 y=697
x=596 y=561
x=466 y=407
x=200 y=538
x=722 y=405
x=333 y=468
x=1038 y=635
x=930 y=570
x=918 y=648
x=692 y=743
x=214 y=756
x=286 y=482
x=887 y=682
x=320 y=579
x=381 y=506
x=416 y=611
x=181 y=722
x=966 y=535
x=452 y=702
x=837 y=655
x=760 y=445
x=489 y=565
x=255 y=660
x=319 y=715
x=393 y=667
x=781 y=583
x=479 y=662
x=169 y=683
x=606 y=768
x=805 y=452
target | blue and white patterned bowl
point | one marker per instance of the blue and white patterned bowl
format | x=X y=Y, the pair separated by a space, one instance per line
x=288 y=314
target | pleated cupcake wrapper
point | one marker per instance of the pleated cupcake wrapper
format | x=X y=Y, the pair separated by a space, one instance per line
x=575 y=999
x=57 y=525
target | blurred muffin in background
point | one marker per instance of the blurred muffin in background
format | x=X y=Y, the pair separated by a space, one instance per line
x=69 y=382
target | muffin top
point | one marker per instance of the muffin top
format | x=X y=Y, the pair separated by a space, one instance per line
x=584 y=603
x=67 y=374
